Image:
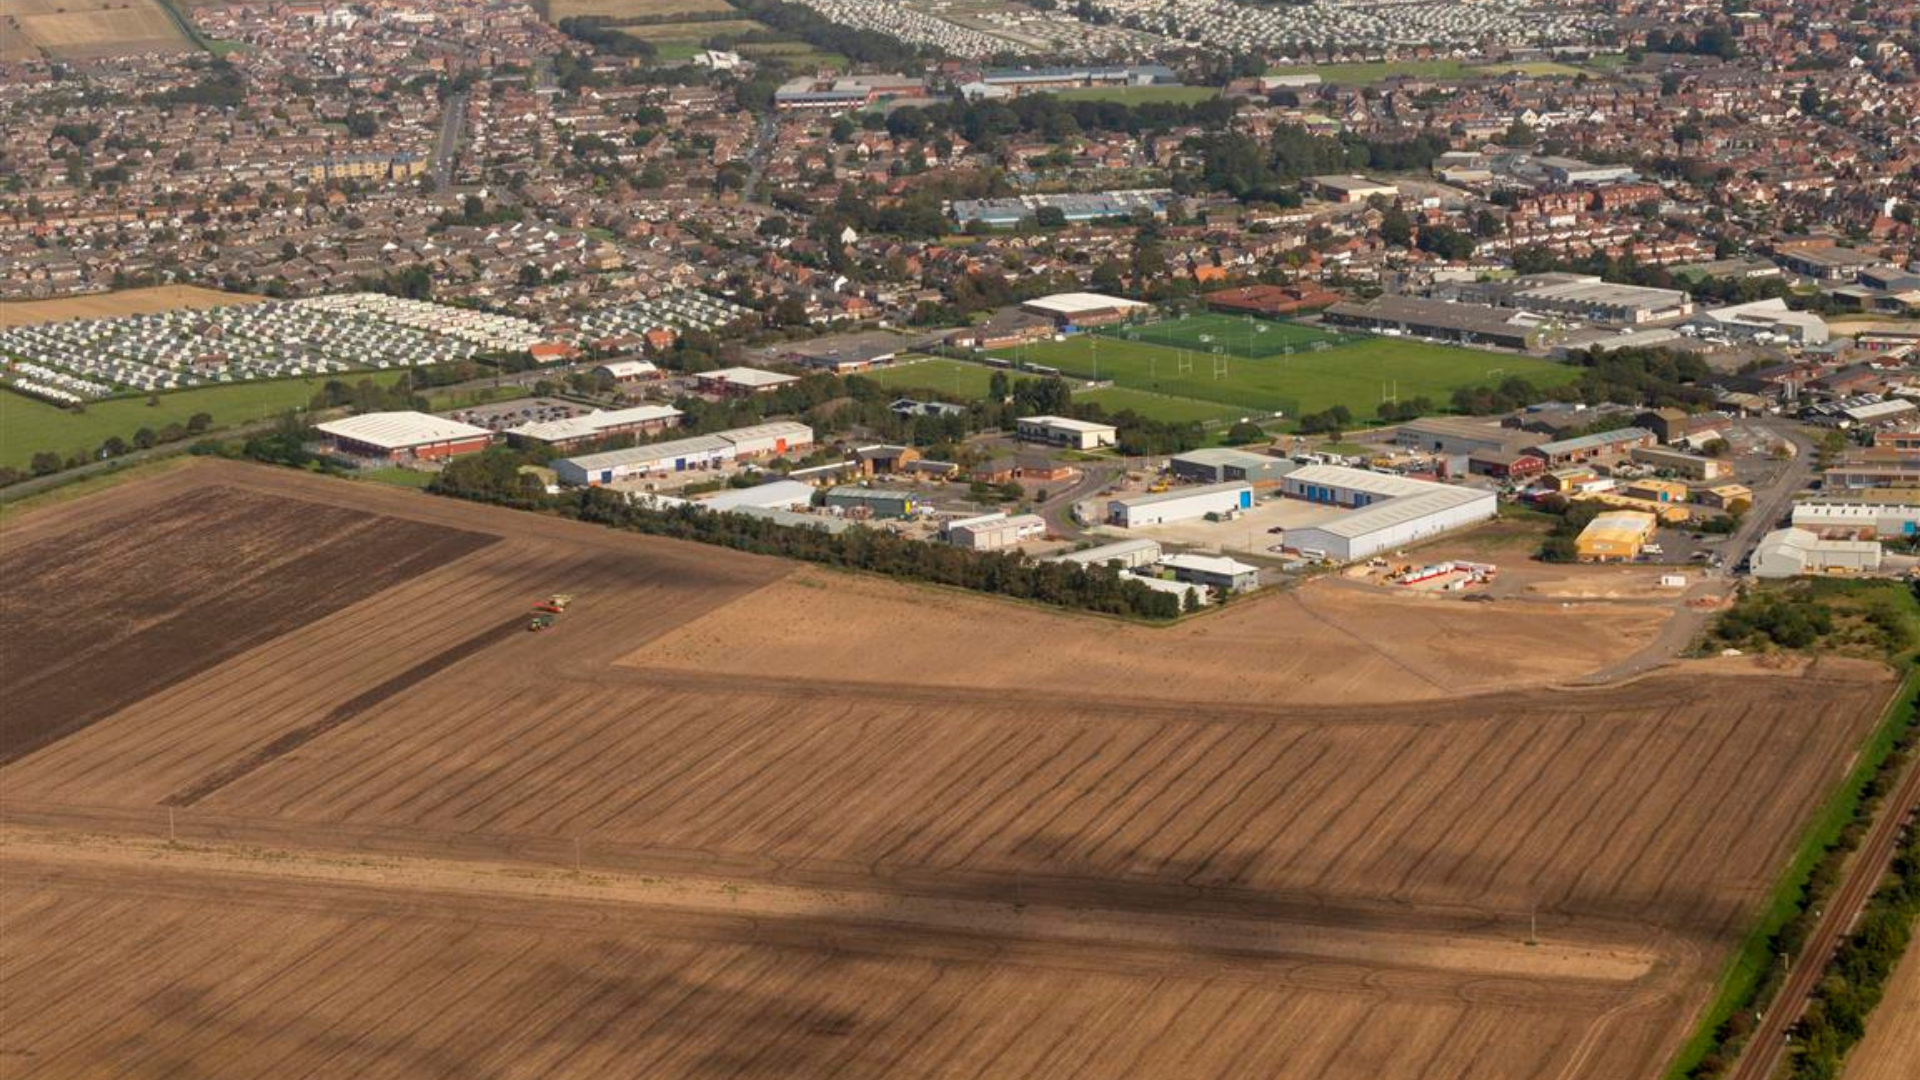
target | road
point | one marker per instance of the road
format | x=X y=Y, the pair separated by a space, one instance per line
x=453 y=118
x=1058 y=509
x=1766 y=1049
x=763 y=137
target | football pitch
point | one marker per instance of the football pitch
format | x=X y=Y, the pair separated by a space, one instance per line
x=1234 y=335
x=1359 y=375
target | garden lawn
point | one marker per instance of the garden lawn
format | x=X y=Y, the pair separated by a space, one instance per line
x=1358 y=375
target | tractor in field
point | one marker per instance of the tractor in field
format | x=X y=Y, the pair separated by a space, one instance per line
x=547 y=611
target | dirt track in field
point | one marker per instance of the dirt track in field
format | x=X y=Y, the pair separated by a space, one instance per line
x=819 y=836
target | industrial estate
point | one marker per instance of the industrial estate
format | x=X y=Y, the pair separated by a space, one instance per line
x=977 y=539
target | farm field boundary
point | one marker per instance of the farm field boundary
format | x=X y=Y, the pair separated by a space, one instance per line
x=1787 y=900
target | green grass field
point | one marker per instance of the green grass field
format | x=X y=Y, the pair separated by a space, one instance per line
x=1174 y=410
x=1353 y=375
x=1140 y=95
x=1237 y=335
x=28 y=426
x=1363 y=74
x=957 y=380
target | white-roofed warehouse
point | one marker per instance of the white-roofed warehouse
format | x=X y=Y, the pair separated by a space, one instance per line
x=1388 y=511
x=396 y=435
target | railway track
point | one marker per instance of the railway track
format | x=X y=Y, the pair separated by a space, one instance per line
x=1766 y=1050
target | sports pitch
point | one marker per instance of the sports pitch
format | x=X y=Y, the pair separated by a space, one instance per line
x=1359 y=375
x=1234 y=335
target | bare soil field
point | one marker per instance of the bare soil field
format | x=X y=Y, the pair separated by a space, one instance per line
x=111 y=305
x=730 y=819
x=86 y=29
x=1892 y=1044
x=618 y=10
x=1326 y=643
x=95 y=619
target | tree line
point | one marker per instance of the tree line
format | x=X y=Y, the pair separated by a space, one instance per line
x=1856 y=977
x=495 y=477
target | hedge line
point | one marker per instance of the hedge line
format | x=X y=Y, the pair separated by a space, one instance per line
x=1754 y=975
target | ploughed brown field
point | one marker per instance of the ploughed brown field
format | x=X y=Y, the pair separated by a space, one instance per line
x=730 y=818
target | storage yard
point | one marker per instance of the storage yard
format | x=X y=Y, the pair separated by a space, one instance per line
x=706 y=823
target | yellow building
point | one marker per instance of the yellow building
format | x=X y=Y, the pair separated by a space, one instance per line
x=1565 y=480
x=1661 y=491
x=1728 y=497
x=1665 y=513
x=1615 y=536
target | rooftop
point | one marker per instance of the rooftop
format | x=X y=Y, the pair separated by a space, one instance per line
x=1208 y=564
x=1078 y=303
x=399 y=430
x=746 y=376
x=1185 y=492
x=1594 y=441
x=587 y=425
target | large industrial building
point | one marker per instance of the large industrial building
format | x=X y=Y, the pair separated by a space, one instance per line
x=1075 y=207
x=773 y=495
x=1076 y=309
x=1789 y=552
x=1595 y=300
x=1615 y=536
x=1879 y=520
x=683 y=455
x=400 y=435
x=873 y=502
x=1180 y=504
x=1765 y=321
x=1388 y=511
x=590 y=427
x=1214 y=465
x=1122 y=554
x=1067 y=432
x=1679 y=462
x=1616 y=443
x=742 y=381
x=1437 y=320
x=994 y=532
x=1459 y=435
x=1213 y=572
